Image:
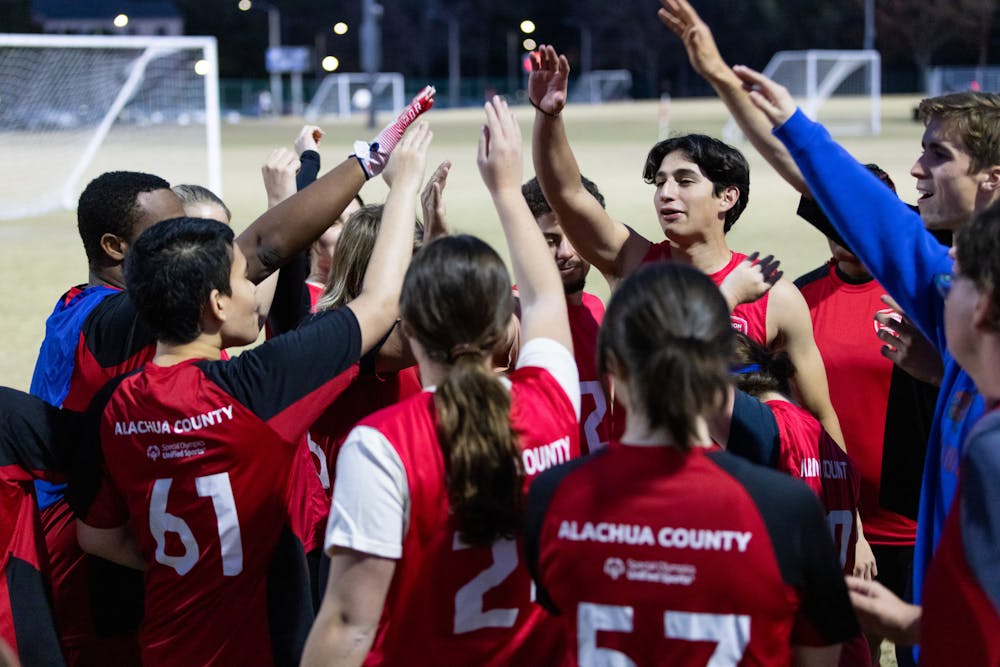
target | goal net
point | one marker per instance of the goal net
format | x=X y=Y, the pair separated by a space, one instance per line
x=343 y=94
x=841 y=89
x=73 y=107
x=603 y=85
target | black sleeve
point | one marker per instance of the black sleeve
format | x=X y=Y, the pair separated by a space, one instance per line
x=308 y=169
x=543 y=489
x=288 y=368
x=291 y=304
x=753 y=433
x=114 y=331
x=810 y=211
x=34 y=435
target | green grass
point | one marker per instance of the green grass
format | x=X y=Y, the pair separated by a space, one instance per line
x=43 y=255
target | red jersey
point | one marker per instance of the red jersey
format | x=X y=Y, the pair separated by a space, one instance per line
x=595 y=407
x=810 y=454
x=34 y=439
x=198 y=458
x=450 y=604
x=747 y=318
x=315 y=292
x=662 y=557
x=961 y=595
x=884 y=413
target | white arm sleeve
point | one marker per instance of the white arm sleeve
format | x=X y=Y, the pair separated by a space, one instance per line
x=371 y=497
x=558 y=361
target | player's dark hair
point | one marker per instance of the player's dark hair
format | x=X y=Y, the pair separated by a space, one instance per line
x=457 y=302
x=351 y=256
x=171 y=270
x=757 y=369
x=197 y=194
x=667 y=334
x=108 y=205
x=723 y=165
x=977 y=249
x=532 y=193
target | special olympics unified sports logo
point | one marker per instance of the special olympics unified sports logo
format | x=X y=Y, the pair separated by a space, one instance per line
x=153 y=452
x=614 y=568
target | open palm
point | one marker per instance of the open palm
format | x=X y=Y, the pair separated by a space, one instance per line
x=549 y=80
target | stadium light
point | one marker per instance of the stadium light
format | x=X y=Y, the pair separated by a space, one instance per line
x=340 y=28
x=331 y=63
x=527 y=26
x=121 y=21
x=245 y=5
x=201 y=67
x=529 y=44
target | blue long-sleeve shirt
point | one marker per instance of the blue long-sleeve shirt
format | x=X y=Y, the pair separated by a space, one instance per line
x=890 y=239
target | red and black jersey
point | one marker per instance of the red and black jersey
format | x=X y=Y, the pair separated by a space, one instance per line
x=448 y=603
x=673 y=558
x=34 y=444
x=885 y=414
x=811 y=455
x=197 y=459
x=961 y=596
x=595 y=406
x=747 y=318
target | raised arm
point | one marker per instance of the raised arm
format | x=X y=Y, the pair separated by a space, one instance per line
x=704 y=56
x=543 y=302
x=377 y=306
x=612 y=247
x=292 y=225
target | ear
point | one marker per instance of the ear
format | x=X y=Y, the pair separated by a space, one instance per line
x=729 y=197
x=215 y=309
x=985 y=312
x=991 y=180
x=114 y=247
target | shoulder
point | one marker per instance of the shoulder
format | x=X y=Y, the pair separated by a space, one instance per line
x=817 y=275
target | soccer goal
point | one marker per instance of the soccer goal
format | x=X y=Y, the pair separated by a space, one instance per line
x=340 y=95
x=841 y=89
x=74 y=106
x=602 y=85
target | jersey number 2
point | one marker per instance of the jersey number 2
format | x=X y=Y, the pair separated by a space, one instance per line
x=469 y=612
x=593 y=420
x=161 y=522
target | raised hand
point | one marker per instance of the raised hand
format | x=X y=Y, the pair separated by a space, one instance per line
x=308 y=139
x=373 y=155
x=905 y=346
x=771 y=98
x=702 y=52
x=432 y=203
x=279 y=171
x=499 y=156
x=409 y=158
x=750 y=280
x=548 y=81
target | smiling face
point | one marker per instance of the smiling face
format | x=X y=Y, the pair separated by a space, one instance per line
x=685 y=200
x=948 y=191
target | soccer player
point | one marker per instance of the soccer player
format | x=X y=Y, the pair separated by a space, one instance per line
x=702 y=187
x=958 y=175
x=960 y=618
x=585 y=310
x=34 y=444
x=94 y=334
x=197 y=452
x=427 y=506
x=661 y=549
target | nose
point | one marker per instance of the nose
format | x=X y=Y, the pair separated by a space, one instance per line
x=917 y=170
x=564 y=249
x=666 y=191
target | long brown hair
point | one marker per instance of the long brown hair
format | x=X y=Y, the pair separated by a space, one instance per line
x=456 y=302
x=667 y=334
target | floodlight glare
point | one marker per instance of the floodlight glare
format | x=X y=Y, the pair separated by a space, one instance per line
x=201 y=67
x=340 y=28
x=121 y=21
x=527 y=26
x=331 y=63
x=529 y=44
x=245 y=5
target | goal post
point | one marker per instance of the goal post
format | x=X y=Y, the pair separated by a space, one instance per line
x=841 y=89
x=74 y=106
x=344 y=93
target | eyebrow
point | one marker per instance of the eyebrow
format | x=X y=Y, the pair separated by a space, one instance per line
x=678 y=173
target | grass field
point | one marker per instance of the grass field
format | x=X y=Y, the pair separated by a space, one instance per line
x=43 y=256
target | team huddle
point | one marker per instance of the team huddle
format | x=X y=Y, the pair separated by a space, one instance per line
x=432 y=460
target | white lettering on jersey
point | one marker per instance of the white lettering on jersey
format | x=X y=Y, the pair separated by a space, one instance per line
x=185 y=425
x=542 y=458
x=834 y=469
x=667 y=537
x=810 y=467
